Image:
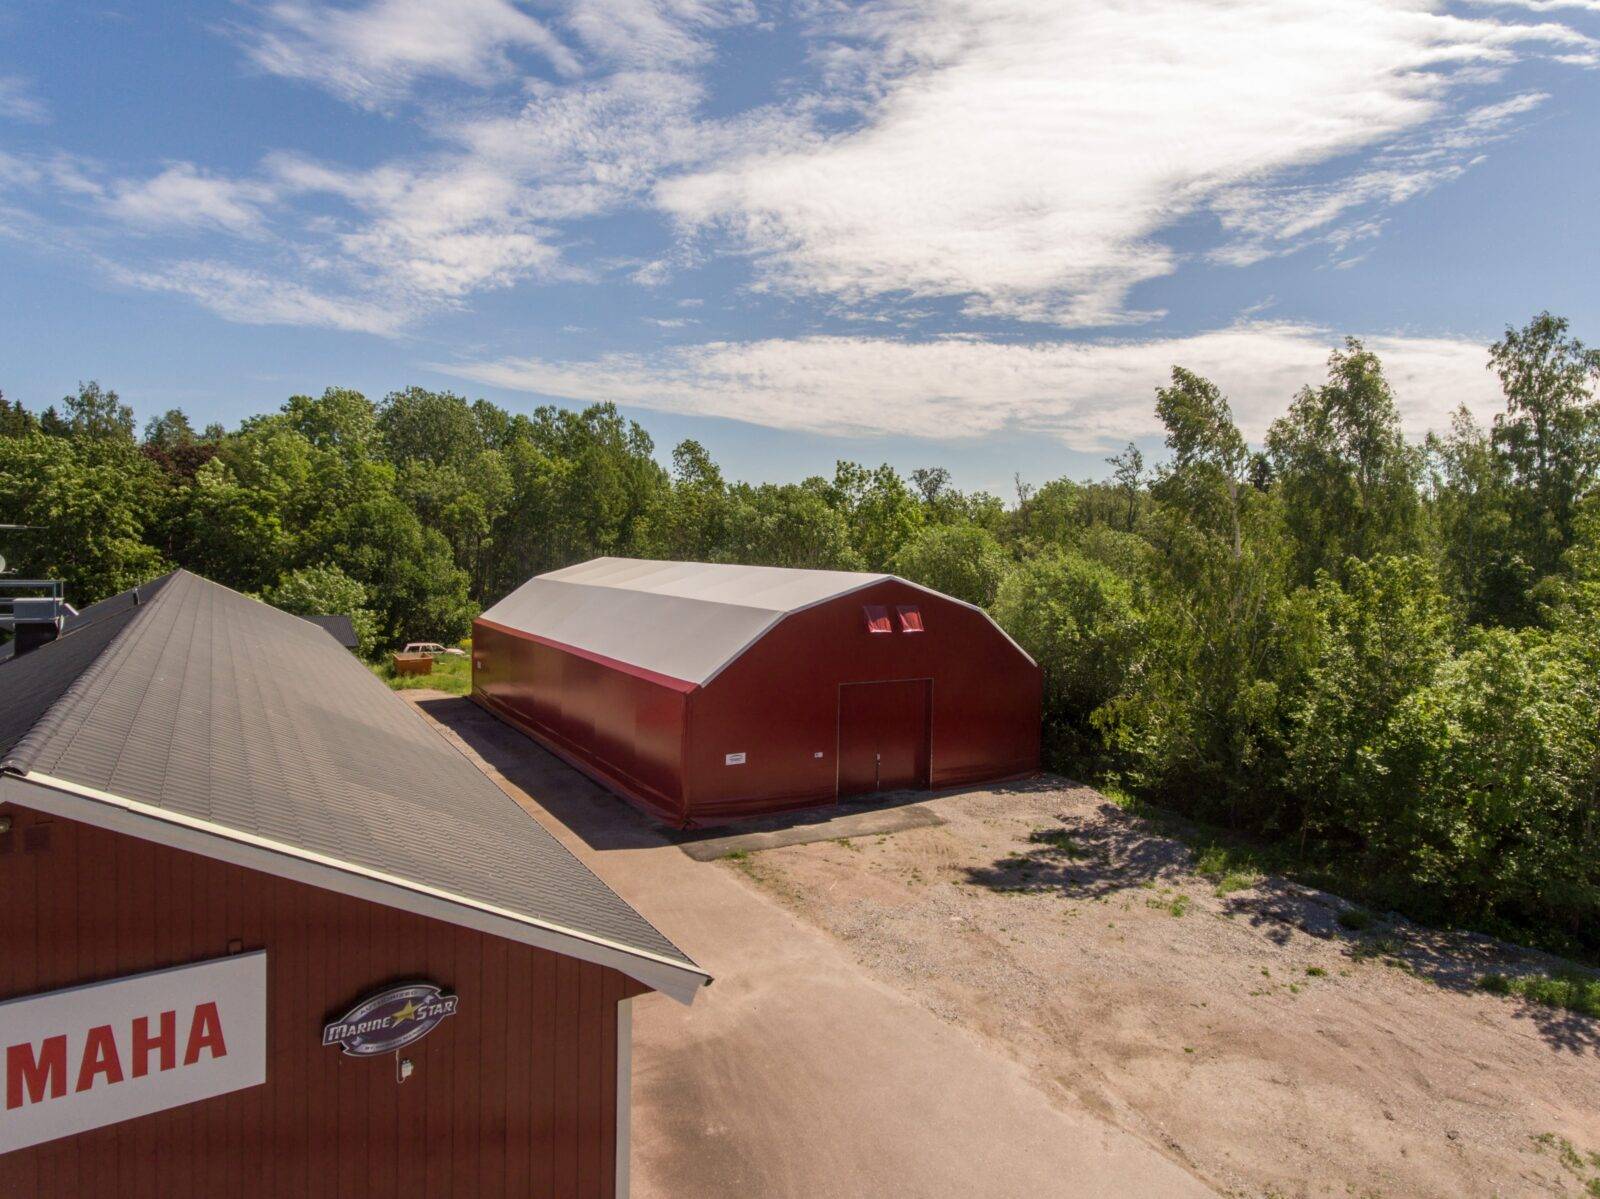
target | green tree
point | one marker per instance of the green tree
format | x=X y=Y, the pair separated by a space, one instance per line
x=90 y=507
x=1471 y=506
x=1079 y=621
x=790 y=524
x=1549 y=435
x=1380 y=636
x=93 y=414
x=325 y=590
x=169 y=431
x=1343 y=471
x=960 y=560
x=15 y=420
x=1205 y=474
x=437 y=427
x=339 y=421
x=1489 y=776
x=1129 y=477
x=880 y=509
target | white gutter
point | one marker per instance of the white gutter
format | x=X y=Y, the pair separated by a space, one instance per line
x=624 y=1097
x=71 y=801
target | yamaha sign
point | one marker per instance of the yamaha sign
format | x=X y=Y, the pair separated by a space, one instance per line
x=106 y=1052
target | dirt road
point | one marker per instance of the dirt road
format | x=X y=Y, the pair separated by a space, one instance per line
x=1247 y=1035
x=799 y=1073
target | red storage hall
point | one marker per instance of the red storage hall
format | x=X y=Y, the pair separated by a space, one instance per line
x=269 y=934
x=703 y=691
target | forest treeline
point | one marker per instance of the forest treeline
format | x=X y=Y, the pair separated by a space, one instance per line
x=1364 y=649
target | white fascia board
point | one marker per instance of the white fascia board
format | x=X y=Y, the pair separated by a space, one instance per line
x=118 y=814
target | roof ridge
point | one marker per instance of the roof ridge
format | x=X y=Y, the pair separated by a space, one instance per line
x=59 y=713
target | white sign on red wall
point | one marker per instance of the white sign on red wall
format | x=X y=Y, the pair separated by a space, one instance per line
x=107 y=1052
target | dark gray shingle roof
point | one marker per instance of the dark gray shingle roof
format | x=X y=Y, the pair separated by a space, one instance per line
x=339 y=627
x=205 y=703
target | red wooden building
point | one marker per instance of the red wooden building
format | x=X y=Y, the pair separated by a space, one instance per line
x=706 y=691
x=268 y=934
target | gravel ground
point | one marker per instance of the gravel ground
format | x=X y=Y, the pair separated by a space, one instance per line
x=1248 y=1035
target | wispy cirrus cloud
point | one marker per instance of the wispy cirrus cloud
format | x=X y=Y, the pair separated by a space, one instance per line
x=372 y=54
x=183 y=195
x=18 y=102
x=1024 y=156
x=255 y=297
x=1089 y=394
x=1009 y=161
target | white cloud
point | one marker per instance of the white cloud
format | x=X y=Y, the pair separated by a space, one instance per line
x=1273 y=218
x=1025 y=155
x=372 y=54
x=184 y=195
x=18 y=103
x=1541 y=5
x=1092 y=395
x=253 y=298
x=653 y=33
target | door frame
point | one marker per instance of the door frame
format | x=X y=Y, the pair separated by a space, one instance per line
x=838 y=726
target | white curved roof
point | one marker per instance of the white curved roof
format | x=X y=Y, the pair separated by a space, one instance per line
x=686 y=620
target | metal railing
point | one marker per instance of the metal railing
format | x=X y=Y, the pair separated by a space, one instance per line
x=50 y=606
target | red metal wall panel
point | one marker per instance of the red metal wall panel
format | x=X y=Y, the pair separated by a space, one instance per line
x=664 y=743
x=514 y=1096
x=778 y=703
x=625 y=728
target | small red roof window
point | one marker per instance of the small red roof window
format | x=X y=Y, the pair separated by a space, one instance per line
x=877 y=618
x=910 y=618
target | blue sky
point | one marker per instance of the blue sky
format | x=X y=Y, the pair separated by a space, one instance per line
x=969 y=233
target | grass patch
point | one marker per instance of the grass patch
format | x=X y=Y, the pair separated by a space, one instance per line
x=1341 y=871
x=1316 y=972
x=451 y=673
x=1178 y=905
x=1570 y=990
x=1355 y=919
x=736 y=855
x=1229 y=867
x=1578 y=1164
x=1058 y=838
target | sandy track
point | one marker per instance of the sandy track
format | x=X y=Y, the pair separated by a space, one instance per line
x=1251 y=1037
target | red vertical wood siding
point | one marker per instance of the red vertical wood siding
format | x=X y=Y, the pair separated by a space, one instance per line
x=514 y=1096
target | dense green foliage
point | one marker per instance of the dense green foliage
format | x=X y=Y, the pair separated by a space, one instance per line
x=1349 y=646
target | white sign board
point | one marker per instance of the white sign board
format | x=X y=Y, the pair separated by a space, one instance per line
x=733 y=760
x=107 y=1052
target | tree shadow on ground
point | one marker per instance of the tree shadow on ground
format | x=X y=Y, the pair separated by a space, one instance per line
x=1109 y=852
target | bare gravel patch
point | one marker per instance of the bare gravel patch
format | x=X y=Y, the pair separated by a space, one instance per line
x=1242 y=1029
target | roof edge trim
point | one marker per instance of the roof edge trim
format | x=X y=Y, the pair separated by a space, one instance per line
x=983 y=612
x=22 y=752
x=873 y=582
x=779 y=617
x=73 y=801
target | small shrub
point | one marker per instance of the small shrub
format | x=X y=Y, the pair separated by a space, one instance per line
x=1570 y=990
x=1355 y=919
x=1316 y=972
